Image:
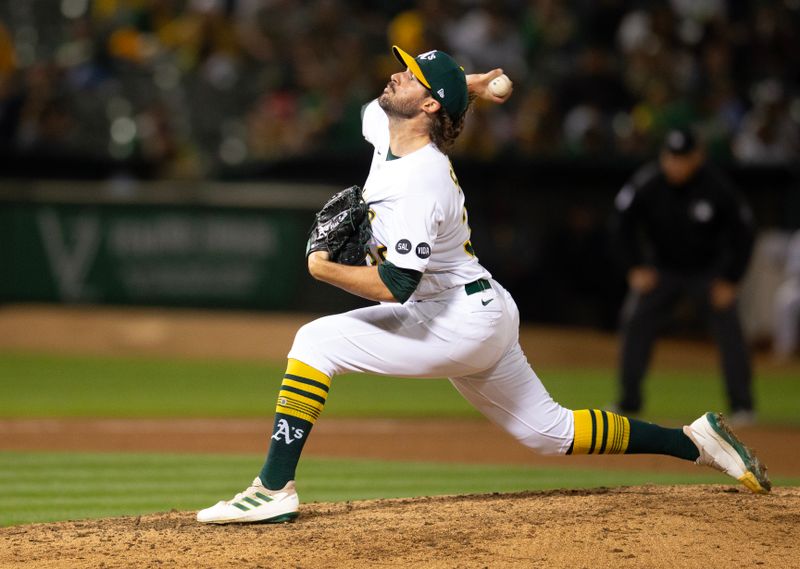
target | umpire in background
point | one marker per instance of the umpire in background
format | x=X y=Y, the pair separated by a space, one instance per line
x=682 y=231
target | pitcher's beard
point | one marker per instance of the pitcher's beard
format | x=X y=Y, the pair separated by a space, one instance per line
x=398 y=109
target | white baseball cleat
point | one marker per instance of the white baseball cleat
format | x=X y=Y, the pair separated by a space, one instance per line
x=256 y=504
x=721 y=449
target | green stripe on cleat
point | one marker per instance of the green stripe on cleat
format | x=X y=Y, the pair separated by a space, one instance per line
x=283 y=518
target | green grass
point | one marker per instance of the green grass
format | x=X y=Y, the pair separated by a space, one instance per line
x=74 y=386
x=55 y=486
x=39 y=487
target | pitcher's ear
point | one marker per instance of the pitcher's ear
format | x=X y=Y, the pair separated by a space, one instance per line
x=431 y=105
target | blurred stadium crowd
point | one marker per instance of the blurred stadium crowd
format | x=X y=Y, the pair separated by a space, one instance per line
x=194 y=85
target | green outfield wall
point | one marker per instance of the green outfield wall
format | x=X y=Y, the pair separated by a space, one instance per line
x=541 y=229
x=155 y=246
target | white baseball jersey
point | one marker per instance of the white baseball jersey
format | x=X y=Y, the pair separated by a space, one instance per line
x=417 y=212
x=443 y=330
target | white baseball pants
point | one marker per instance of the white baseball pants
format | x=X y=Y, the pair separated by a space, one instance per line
x=471 y=339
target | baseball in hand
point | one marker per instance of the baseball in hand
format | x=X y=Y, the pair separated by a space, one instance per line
x=500 y=86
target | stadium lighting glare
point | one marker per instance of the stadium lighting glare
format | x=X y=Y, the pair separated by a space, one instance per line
x=123 y=130
x=74 y=9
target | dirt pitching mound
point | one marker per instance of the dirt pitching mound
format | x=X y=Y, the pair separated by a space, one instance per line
x=646 y=526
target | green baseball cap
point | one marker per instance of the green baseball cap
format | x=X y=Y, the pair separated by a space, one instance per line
x=441 y=75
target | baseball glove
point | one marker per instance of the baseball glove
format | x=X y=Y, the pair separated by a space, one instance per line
x=342 y=228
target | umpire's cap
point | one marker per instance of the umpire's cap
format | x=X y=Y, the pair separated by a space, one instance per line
x=680 y=141
x=441 y=75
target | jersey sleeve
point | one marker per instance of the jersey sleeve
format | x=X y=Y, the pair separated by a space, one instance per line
x=416 y=225
x=374 y=123
x=629 y=215
x=624 y=221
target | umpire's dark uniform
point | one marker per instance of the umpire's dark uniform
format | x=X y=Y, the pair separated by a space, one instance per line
x=693 y=233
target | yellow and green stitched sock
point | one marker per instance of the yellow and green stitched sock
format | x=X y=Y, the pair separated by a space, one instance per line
x=300 y=402
x=604 y=432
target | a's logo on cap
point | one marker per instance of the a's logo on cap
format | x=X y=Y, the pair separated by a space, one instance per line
x=441 y=93
x=429 y=55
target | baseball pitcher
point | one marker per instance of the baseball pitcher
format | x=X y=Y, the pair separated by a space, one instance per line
x=439 y=312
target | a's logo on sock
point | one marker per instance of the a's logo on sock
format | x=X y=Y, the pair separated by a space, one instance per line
x=289 y=433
